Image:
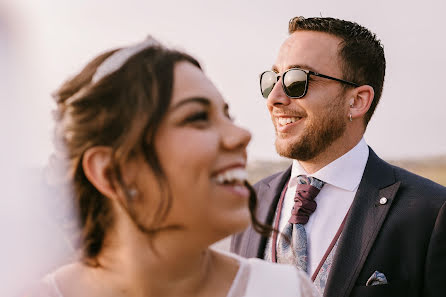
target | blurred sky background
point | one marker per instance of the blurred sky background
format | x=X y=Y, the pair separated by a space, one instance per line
x=44 y=42
x=235 y=41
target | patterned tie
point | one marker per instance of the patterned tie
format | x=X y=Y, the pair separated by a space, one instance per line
x=295 y=251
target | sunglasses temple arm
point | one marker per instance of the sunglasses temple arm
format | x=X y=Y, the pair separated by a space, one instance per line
x=334 y=78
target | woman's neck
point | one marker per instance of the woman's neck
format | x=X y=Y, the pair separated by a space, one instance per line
x=162 y=266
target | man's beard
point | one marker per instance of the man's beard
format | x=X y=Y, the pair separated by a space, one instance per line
x=318 y=135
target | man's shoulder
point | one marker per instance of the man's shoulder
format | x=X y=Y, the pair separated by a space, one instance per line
x=410 y=182
x=419 y=192
x=415 y=181
x=268 y=179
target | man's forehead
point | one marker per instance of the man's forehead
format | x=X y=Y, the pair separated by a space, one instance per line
x=310 y=50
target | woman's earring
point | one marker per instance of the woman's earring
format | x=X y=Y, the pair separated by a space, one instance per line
x=132 y=192
x=350 y=117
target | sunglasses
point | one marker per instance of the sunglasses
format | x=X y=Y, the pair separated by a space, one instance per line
x=294 y=82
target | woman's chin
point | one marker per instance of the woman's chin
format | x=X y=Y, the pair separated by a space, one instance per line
x=234 y=224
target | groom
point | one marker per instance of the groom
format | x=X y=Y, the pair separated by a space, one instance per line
x=356 y=224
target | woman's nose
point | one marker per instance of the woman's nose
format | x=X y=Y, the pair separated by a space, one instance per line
x=236 y=137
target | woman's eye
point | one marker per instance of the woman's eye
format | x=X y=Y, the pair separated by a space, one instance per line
x=229 y=116
x=197 y=117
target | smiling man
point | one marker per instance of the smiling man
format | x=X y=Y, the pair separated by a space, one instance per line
x=356 y=224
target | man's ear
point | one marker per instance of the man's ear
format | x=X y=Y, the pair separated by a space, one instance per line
x=361 y=100
x=96 y=165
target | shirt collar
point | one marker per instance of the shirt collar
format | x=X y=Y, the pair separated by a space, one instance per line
x=345 y=172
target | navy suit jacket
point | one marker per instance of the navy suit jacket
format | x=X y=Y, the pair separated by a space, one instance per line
x=405 y=238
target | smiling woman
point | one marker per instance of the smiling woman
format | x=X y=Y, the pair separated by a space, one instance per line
x=158 y=174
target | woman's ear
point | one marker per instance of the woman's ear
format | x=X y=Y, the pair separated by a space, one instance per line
x=96 y=164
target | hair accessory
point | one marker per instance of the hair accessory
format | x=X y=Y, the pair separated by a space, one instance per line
x=350 y=117
x=120 y=57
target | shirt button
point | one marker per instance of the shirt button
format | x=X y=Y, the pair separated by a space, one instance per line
x=383 y=200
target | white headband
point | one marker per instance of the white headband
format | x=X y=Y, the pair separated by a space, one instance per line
x=120 y=57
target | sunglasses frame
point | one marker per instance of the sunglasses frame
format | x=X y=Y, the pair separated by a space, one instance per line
x=308 y=73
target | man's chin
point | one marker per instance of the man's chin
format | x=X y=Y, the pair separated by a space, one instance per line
x=301 y=151
x=284 y=147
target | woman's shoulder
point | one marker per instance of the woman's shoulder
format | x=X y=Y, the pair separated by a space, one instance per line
x=49 y=285
x=46 y=287
x=272 y=279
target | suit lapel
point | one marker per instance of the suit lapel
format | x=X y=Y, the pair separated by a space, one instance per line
x=268 y=195
x=366 y=217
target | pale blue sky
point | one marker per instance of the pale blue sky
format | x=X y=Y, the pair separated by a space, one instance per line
x=235 y=41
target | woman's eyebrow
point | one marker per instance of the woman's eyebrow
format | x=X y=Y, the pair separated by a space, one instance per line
x=199 y=100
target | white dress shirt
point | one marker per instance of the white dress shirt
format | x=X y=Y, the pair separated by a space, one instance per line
x=342 y=178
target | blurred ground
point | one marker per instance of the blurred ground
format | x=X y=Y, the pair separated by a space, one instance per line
x=432 y=168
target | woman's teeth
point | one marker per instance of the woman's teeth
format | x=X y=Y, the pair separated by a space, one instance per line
x=286 y=121
x=236 y=175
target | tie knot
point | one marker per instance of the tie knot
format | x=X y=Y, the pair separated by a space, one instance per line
x=304 y=205
x=309 y=180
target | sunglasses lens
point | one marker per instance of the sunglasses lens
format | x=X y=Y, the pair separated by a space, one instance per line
x=268 y=80
x=295 y=82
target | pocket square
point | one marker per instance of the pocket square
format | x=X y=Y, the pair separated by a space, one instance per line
x=377 y=278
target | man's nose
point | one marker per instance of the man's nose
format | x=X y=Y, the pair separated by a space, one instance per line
x=278 y=96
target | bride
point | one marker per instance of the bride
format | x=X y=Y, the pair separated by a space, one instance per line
x=157 y=169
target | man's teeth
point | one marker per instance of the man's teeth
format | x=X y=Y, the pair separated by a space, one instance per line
x=236 y=175
x=285 y=121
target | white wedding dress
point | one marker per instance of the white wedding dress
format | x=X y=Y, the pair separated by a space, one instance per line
x=254 y=278
x=258 y=278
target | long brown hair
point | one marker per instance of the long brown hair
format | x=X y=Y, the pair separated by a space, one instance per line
x=123 y=111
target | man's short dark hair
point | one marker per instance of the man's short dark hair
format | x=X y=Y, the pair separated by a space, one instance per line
x=362 y=54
